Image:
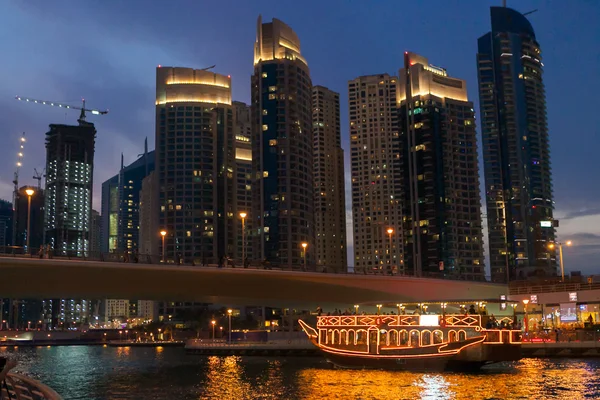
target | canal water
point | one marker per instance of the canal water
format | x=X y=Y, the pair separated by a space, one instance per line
x=98 y=373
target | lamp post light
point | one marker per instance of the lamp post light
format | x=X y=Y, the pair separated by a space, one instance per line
x=390 y=231
x=163 y=233
x=356 y=309
x=444 y=305
x=229 y=312
x=399 y=306
x=560 y=255
x=221 y=332
x=514 y=306
x=243 y=216
x=213 y=322
x=304 y=246
x=379 y=309
x=30 y=193
x=525 y=321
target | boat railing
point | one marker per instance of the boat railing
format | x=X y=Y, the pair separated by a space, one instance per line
x=502 y=336
x=21 y=387
x=447 y=320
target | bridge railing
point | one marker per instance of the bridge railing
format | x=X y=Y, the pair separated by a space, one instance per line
x=559 y=287
x=139 y=258
x=23 y=387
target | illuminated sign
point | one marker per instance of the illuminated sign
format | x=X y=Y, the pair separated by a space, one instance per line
x=573 y=296
x=429 y=320
x=546 y=224
x=533 y=299
x=568 y=312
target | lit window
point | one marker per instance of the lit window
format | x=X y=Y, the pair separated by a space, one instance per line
x=272 y=96
x=188 y=234
x=272 y=89
x=265 y=112
x=178 y=207
x=265 y=174
x=264 y=74
x=265 y=127
x=273 y=142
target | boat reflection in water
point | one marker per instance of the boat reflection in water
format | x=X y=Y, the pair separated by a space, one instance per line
x=415 y=342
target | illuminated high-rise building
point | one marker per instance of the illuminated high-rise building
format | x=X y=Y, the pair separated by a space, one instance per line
x=195 y=162
x=376 y=211
x=516 y=151
x=330 y=204
x=441 y=203
x=243 y=180
x=69 y=183
x=282 y=149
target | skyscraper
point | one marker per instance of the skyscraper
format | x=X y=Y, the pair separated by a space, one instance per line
x=330 y=204
x=441 y=204
x=195 y=161
x=282 y=149
x=96 y=234
x=6 y=225
x=149 y=236
x=518 y=181
x=243 y=179
x=69 y=183
x=121 y=205
x=375 y=180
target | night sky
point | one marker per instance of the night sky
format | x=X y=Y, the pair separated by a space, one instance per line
x=107 y=52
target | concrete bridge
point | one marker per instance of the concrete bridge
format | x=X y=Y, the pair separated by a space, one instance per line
x=75 y=278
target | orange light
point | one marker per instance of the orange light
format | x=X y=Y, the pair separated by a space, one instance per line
x=304 y=245
x=569 y=243
x=243 y=214
x=163 y=233
x=29 y=192
x=390 y=231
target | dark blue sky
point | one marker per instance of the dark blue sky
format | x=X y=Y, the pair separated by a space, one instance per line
x=107 y=51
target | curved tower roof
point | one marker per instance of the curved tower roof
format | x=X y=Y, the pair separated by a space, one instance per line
x=508 y=20
x=276 y=40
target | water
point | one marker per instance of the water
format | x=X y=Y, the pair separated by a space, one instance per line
x=95 y=373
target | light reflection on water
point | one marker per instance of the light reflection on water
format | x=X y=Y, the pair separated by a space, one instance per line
x=95 y=373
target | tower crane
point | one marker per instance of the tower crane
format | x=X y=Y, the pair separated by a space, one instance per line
x=81 y=119
x=39 y=175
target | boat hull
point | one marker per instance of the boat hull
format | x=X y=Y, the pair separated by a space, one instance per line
x=433 y=364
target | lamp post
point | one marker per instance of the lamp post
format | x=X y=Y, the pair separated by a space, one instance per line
x=399 y=306
x=213 y=322
x=30 y=193
x=390 y=231
x=379 y=309
x=560 y=255
x=356 y=309
x=525 y=321
x=304 y=246
x=229 y=312
x=163 y=233
x=243 y=216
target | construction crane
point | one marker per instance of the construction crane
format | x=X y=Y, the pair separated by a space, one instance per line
x=81 y=119
x=39 y=175
x=207 y=68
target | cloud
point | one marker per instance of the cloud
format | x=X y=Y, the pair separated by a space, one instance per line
x=582 y=213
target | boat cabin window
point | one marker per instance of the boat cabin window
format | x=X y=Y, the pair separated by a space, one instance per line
x=438 y=337
x=414 y=338
x=426 y=338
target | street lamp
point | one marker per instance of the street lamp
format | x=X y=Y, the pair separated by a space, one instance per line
x=304 y=246
x=229 y=312
x=163 y=233
x=213 y=322
x=525 y=302
x=560 y=255
x=356 y=309
x=390 y=231
x=30 y=193
x=399 y=309
x=379 y=309
x=243 y=216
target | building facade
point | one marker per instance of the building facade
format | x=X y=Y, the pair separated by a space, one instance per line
x=121 y=205
x=149 y=231
x=195 y=162
x=516 y=151
x=375 y=179
x=96 y=233
x=330 y=195
x=243 y=180
x=69 y=184
x=6 y=224
x=282 y=150
x=441 y=204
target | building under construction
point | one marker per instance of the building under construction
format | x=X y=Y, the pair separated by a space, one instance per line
x=69 y=182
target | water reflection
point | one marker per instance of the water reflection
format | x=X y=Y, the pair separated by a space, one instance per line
x=97 y=373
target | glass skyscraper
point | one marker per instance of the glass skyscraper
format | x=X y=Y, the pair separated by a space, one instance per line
x=518 y=182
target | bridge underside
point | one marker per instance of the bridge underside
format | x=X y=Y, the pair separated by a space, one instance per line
x=35 y=278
